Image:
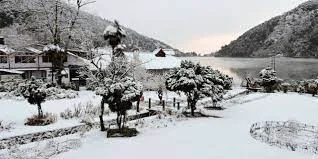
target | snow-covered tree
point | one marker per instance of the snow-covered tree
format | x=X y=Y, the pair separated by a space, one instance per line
x=34 y=93
x=118 y=88
x=114 y=35
x=269 y=79
x=115 y=82
x=197 y=82
x=119 y=94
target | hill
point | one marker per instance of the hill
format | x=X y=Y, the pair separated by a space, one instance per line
x=20 y=19
x=293 y=34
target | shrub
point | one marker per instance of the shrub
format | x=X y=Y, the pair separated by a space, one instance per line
x=285 y=86
x=14 y=89
x=82 y=110
x=35 y=120
x=269 y=80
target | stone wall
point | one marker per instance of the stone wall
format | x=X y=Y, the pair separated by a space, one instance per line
x=40 y=136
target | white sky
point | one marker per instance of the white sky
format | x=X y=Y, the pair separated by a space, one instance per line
x=192 y=25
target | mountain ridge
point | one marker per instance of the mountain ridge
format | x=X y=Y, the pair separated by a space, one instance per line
x=292 y=34
x=11 y=24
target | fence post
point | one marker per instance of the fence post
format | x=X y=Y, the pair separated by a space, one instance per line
x=163 y=105
x=149 y=103
x=138 y=102
x=178 y=105
x=174 y=102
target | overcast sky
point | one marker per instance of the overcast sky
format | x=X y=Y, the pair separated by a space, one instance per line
x=192 y=25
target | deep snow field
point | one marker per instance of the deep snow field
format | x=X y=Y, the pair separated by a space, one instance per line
x=170 y=137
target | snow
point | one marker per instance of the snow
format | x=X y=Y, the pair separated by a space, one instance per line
x=110 y=30
x=5 y=49
x=169 y=137
x=11 y=71
x=17 y=111
x=209 y=138
x=34 y=50
x=147 y=59
x=52 y=47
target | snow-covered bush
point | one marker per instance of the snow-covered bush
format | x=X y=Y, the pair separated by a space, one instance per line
x=269 y=80
x=9 y=86
x=46 y=119
x=58 y=93
x=306 y=86
x=13 y=89
x=34 y=93
x=197 y=82
x=285 y=86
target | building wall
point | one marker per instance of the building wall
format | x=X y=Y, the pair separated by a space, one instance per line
x=40 y=69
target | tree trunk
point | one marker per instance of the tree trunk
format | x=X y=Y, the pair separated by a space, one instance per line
x=192 y=105
x=102 y=126
x=59 y=77
x=119 y=121
x=40 y=112
x=124 y=121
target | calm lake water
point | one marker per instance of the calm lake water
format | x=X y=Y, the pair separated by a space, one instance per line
x=239 y=68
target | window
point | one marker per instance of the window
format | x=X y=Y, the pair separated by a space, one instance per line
x=3 y=59
x=24 y=59
x=48 y=59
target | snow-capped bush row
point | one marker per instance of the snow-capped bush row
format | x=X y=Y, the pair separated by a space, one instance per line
x=12 y=90
x=269 y=81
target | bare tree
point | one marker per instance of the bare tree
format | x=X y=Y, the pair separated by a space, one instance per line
x=56 y=21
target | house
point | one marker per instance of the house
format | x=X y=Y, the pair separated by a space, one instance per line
x=32 y=61
x=157 y=62
x=163 y=52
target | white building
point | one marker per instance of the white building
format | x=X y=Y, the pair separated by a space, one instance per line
x=157 y=61
x=31 y=61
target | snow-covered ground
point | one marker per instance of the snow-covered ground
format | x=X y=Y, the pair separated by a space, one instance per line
x=208 y=138
x=170 y=137
x=16 y=111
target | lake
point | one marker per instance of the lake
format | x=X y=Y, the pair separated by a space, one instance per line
x=239 y=68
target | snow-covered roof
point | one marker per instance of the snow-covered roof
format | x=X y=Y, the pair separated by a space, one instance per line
x=151 y=62
x=5 y=49
x=11 y=71
x=147 y=59
x=53 y=47
x=166 y=51
x=169 y=52
x=33 y=50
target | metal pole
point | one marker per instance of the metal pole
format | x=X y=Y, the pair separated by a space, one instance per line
x=149 y=103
